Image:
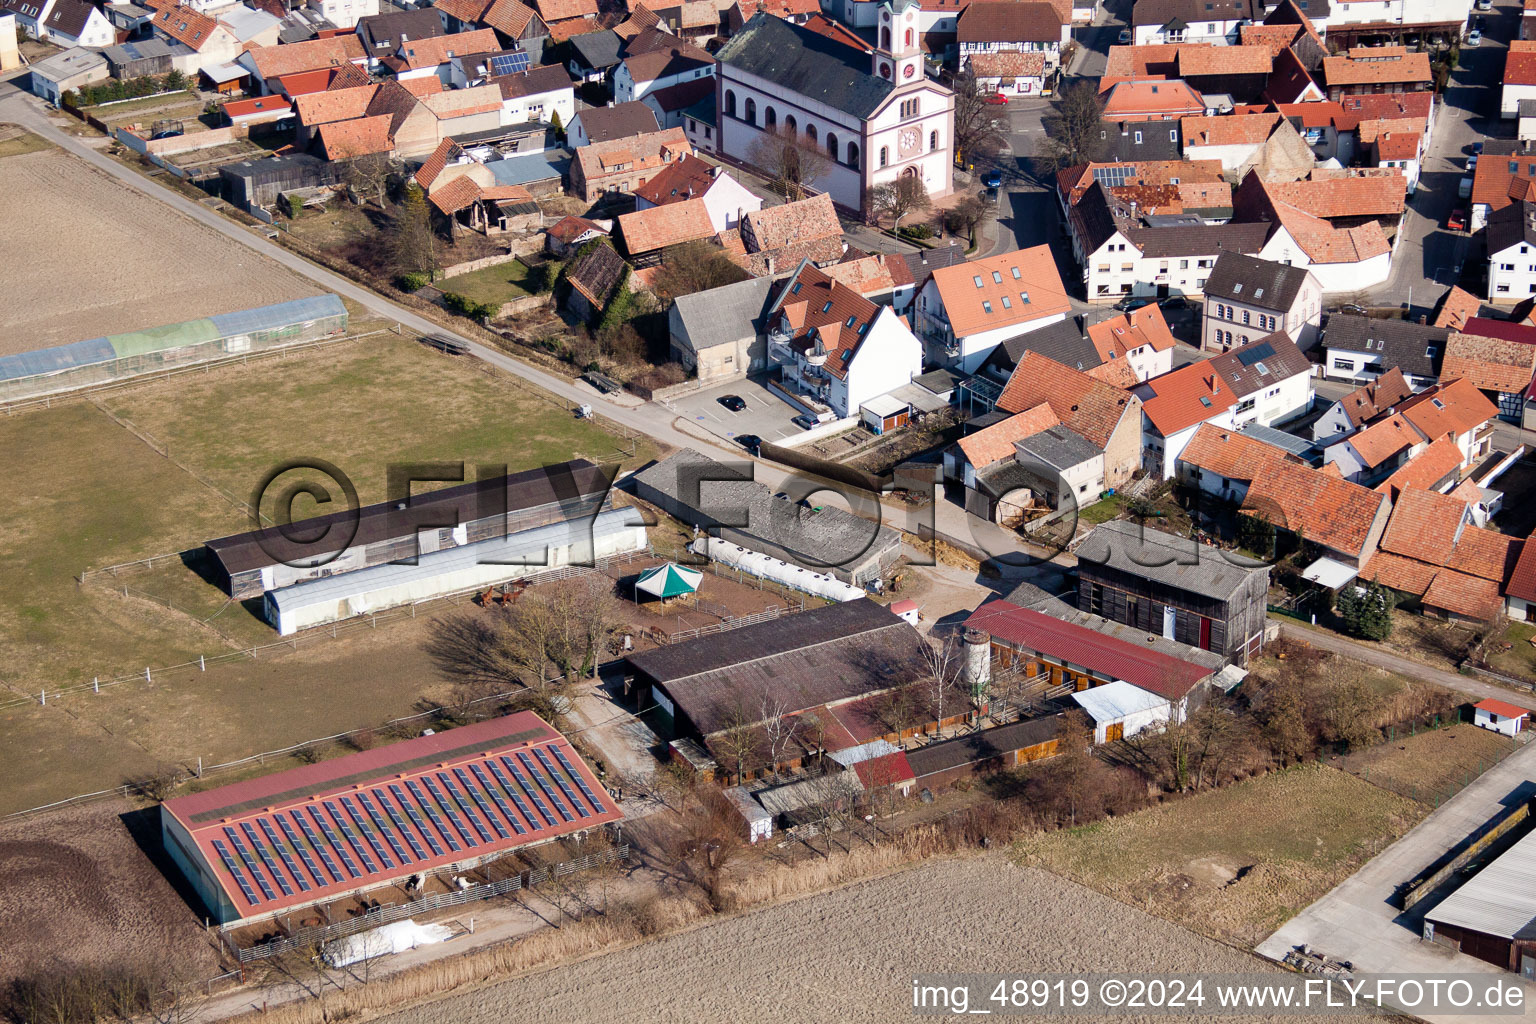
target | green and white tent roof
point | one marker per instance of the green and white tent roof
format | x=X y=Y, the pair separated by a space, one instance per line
x=669 y=580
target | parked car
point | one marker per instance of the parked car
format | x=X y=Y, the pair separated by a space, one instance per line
x=1125 y=36
x=1131 y=302
x=1475 y=37
x=998 y=99
x=803 y=422
x=993 y=178
x=1477 y=149
x=443 y=343
x=1472 y=163
x=751 y=442
x=1483 y=5
x=1172 y=303
x=1464 y=189
x=1457 y=221
x=735 y=403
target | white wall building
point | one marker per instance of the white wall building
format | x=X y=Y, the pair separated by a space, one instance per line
x=345 y=13
x=966 y=311
x=1511 y=236
x=1120 y=710
x=1499 y=717
x=658 y=70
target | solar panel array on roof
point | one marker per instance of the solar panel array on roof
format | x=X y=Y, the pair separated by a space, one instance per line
x=1113 y=177
x=509 y=63
x=1253 y=353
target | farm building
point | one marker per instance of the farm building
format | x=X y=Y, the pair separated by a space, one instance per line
x=710 y=496
x=119 y=356
x=1492 y=916
x=250 y=564
x=1499 y=716
x=980 y=753
x=140 y=57
x=1119 y=709
x=253 y=184
x=432 y=806
x=460 y=569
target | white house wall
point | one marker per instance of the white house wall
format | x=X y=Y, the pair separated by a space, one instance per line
x=889 y=357
x=975 y=348
x=1231 y=157
x=1512 y=274
x=540 y=107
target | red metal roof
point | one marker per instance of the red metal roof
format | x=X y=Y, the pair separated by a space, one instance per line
x=1155 y=671
x=316 y=832
x=1503 y=710
x=885 y=770
x=1504 y=330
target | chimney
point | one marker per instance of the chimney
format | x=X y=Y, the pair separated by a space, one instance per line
x=1215 y=384
x=714 y=172
x=769 y=264
x=880 y=259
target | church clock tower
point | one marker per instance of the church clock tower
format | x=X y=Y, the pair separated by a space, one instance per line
x=898 y=58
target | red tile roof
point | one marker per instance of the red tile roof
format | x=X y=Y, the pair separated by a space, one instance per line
x=317 y=108
x=1507 y=330
x=256 y=105
x=1489 y=363
x=310 y=55
x=1008 y=66
x=680 y=180
x=811 y=303
x=1520 y=68
x=1106 y=656
x=571 y=228
x=1407 y=575
x=1370 y=400
x=1456 y=308
x=774 y=227
x=1426 y=470
x=1522 y=580
x=660 y=226
x=995 y=443
x=1138 y=99
x=1093 y=408
x=560 y=10
x=885 y=770
x=1228 y=453
x=1006 y=290
x=1383 y=440
x=1425 y=525
x=1447 y=410
x=1382 y=65
x=1500 y=708
x=1229 y=129
x=1320 y=507
x=1186 y=396
x=1354 y=195
x=1464 y=595
x=1137 y=329
x=343 y=140
x=1324 y=243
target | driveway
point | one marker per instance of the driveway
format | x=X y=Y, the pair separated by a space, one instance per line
x=1357 y=923
x=766 y=415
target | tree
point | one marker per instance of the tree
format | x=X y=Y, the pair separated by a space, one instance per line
x=414 y=244
x=1281 y=710
x=695 y=267
x=907 y=194
x=1073 y=128
x=1257 y=534
x=980 y=127
x=777 y=727
x=944 y=661
x=369 y=175
x=175 y=79
x=1366 y=613
x=736 y=744
x=558 y=125
x=1071 y=772
x=966 y=215
x=792 y=161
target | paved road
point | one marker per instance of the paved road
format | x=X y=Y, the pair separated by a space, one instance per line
x=1357 y=923
x=1373 y=654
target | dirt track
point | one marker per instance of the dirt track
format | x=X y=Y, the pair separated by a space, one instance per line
x=86 y=256
x=849 y=955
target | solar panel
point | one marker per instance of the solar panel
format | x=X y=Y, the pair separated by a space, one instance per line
x=448 y=809
x=383 y=828
x=368 y=834
x=512 y=792
x=293 y=840
x=335 y=842
x=501 y=804
x=249 y=862
x=480 y=802
x=1252 y=354
x=522 y=780
x=464 y=807
x=314 y=841
x=437 y=819
x=1113 y=177
x=538 y=776
x=346 y=830
x=509 y=63
x=570 y=794
x=236 y=873
x=421 y=826
x=592 y=798
x=277 y=844
x=266 y=858
x=400 y=824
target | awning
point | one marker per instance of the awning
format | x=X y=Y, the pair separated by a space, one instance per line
x=1329 y=574
x=884 y=405
x=670 y=580
x=919 y=398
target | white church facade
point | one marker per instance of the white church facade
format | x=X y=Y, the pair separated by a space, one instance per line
x=870 y=111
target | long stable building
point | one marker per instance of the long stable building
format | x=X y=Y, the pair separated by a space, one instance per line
x=447 y=802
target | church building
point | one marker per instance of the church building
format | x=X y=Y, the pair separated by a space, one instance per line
x=871 y=111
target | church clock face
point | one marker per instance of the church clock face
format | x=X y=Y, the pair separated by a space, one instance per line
x=907 y=141
x=908 y=71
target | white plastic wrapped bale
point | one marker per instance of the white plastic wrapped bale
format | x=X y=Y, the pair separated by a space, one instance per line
x=770 y=568
x=528 y=553
x=390 y=938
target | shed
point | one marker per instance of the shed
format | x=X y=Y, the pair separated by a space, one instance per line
x=884 y=412
x=1119 y=710
x=758 y=822
x=906 y=610
x=1491 y=915
x=141 y=57
x=256 y=184
x=1499 y=716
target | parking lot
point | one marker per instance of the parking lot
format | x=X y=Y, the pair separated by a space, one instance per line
x=766 y=415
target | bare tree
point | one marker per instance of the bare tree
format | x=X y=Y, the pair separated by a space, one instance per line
x=480 y=651
x=907 y=194
x=944 y=659
x=792 y=161
x=966 y=215
x=414 y=244
x=1073 y=768
x=980 y=127
x=695 y=266
x=370 y=176
x=737 y=743
x=777 y=728
x=1073 y=128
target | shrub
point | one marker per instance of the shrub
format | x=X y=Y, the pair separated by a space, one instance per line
x=293 y=206
x=413 y=281
x=1368 y=613
x=916 y=231
x=464 y=306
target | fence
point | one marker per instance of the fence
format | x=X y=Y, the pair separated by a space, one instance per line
x=720 y=627
x=319 y=934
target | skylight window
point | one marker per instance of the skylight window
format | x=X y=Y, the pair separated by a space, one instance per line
x=1205 y=401
x=997 y=278
x=1437 y=403
x=987 y=306
x=977 y=279
x=1237 y=289
x=796 y=289
x=1016 y=275
x=1024 y=297
x=827 y=306
x=851 y=321
x=1007 y=304
x=1258 y=293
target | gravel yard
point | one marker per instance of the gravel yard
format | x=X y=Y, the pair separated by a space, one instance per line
x=87 y=256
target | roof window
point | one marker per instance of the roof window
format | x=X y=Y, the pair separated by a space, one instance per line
x=1024 y=297
x=997 y=278
x=851 y=321
x=1258 y=293
x=977 y=279
x=827 y=306
x=1237 y=288
x=1205 y=401
x=1437 y=403
x=1016 y=275
x=796 y=289
x=986 y=307
x=1006 y=303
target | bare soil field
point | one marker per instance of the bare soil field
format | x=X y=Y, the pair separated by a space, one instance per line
x=850 y=955
x=78 y=890
x=87 y=256
x=1233 y=863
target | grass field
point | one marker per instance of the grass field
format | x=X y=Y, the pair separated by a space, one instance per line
x=501 y=283
x=1520 y=659
x=22 y=142
x=1233 y=863
x=1430 y=766
x=90 y=493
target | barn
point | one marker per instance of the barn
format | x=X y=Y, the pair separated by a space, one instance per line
x=1119 y=710
x=1492 y=916
x=455 y=570
x=431 y=807
x=250 y=564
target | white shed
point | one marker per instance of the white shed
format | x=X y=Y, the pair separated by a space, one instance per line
x=1119 y=709
x=1499 y=716
x=759 y=823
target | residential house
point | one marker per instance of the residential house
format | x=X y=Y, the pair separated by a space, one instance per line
x=1221 y=462
x=1203 y=178
x=1342 y=521
x=1506 y=173
x=1363 y=404
x=1455 y=415
x=643 y=73
x=726 y=199
x=565 y=236
x=625 y=164
x=671 y=104
x=1519 y=76
x=697 y=21
x=567 y=18
x=592 y=56
x=801 y=12
x=1367 y=69
x=1138 y=142
x=877 y=114
x=1012 y=74
x=613 y=123
x=1456 y=307
x=1343 y=259
x=1264 y=142
x=1108 y=416
x=206 y=43
x=1432 y=552
x=721 y=333
x=1396 y=150
x=776 y=238
x=1012 y=26
x=1292 y=82
x=1267 y=381
x=433 y=56
x=1354 y=22
x=1520 y=588
x=266 y=63
x=1246 y=297
x=391 y=118
x=1191 y=592
x=30 y=16
x=1139 y=340
x=538 y=94
x=382 y=34
x=344 y=14
x=648 y=233
x=516 y=23
x=1132 y=102
x=1511 y=240
x=1360 y=348
x=964 y=312
x=1126 y=250
x=1501 y=369
x=835 y=347
x=984 y=463
x=880 y=277
x=594 y=277
x=77 y=23
x=1436 y=468
x=66 y=71
x=1240 y=73
x=920 y=267
x=1190 y=21
x=1065 y=342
